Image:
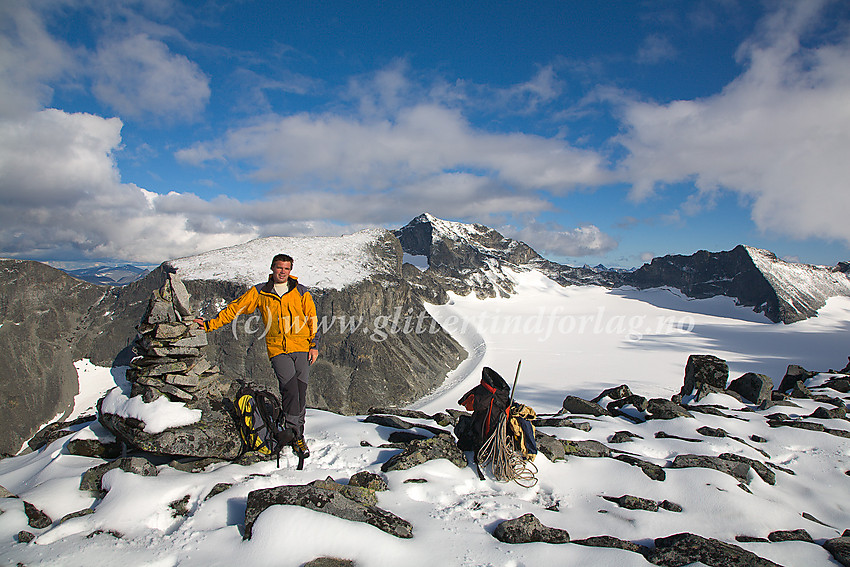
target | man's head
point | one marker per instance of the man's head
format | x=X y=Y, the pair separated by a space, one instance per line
x=281 y=266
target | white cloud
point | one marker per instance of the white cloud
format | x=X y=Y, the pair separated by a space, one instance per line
x=61 y=196
x=585 y=240
x=655 y=49
x=779 y=135
x=421 y=141
x=29 y=59
x=140 y=76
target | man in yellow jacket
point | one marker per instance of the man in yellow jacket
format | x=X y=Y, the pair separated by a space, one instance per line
x=291 y=324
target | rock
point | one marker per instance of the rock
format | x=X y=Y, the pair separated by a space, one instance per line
x=369 y=480
x=405 y=437
x=753 y=387
x=829 y=413
x=329 y=562
x=94 y=448
x=684 y=549
x=659 y=408
x=706 y=369
x=793 y=374
x=839 y=547
x=336 y=502
x=401 y=412
x=528 y=529
x=670 y=506
x=838 y=384
x=737 y=469
x=761 y=469
x=35 y=517
x=617 y=393
x=576 y=405
x=559 y=422
x=790 y=535
x=440 y=446
x=550 y=446
x=612 y=542
x=633 y=502
x=91 y=479
x=588 y=448
x=800 y=391
x=25 y=536
x=218 y=489
x=4 y=493
x=623 y=437
x=651 y=470
x=179 y=295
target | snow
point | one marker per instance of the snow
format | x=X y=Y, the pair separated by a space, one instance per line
x=571 y=340
x=326 y=262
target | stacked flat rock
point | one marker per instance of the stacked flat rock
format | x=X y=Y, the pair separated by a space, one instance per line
x=169 y=349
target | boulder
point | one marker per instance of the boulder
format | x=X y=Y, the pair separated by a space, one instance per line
x=366 y=479
x=586 y=448
x=528 y=529
x=440 y=446
x=793 y=374
x=790 y=535
x=660 y=408
x=612 y=542
x=737 y=469
x=91 y=479
x=551 y=447
x=705 y=369
x=651 y=470
x=35 y=517
x=753 y=387
x=839 y=547
x=354 y=505
x=686 y=548
x=574 y=404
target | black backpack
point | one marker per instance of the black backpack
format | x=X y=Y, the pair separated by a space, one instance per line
x=488 y=402
x=258 y=416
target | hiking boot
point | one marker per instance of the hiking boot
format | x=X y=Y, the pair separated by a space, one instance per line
x=300 y=447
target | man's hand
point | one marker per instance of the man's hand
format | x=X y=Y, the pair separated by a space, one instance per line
x=312 y=355
x=200 y=322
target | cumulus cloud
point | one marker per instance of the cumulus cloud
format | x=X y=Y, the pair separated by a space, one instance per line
x=585 y=240
x=62 y=197
x=140 y=76
x=30 y=58
x=777 y=135
x=420 y=142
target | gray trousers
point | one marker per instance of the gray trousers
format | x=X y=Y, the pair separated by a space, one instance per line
x=292 y=371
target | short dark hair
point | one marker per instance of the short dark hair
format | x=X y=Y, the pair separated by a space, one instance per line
x=283 y=258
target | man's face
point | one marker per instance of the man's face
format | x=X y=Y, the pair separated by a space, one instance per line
x=280 y=271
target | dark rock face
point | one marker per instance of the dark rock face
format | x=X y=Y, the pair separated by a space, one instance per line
x=576 y=405
x=356 y=505
x=706 y=274
x=528 y=529
x=756 y=278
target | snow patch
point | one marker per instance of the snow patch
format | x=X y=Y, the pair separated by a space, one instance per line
x=325 y=262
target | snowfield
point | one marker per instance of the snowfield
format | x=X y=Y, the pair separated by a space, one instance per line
x=571 y=340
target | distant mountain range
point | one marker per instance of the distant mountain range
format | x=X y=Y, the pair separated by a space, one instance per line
x=110 y=275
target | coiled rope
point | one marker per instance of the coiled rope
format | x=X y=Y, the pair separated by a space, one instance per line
x=506 y=463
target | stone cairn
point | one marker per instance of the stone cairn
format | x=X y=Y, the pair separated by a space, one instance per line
x=169 y=357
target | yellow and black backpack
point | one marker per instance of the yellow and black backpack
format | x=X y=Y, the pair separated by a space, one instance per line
x=258 y=416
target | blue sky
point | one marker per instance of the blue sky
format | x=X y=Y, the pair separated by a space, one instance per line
x=608 y=132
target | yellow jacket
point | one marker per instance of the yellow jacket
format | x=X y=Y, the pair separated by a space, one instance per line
x=290 y=322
